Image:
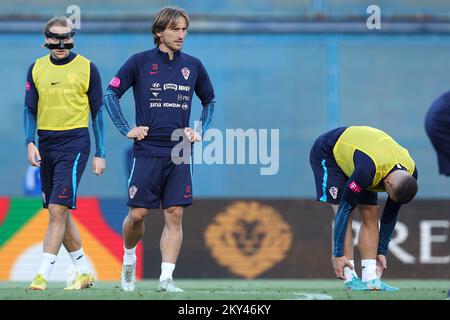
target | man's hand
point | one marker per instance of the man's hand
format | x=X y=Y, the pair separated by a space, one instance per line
x=138 y=133
x=98 y=165
x=33 y=156
x=381 y=265
x=338 y=265
x=192 y=135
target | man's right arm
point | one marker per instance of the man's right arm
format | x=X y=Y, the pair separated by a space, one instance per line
x=348 y=202
x=121 y=82
x=30 y=119
x=30 y=108
x=360 y=179
x=112 y=105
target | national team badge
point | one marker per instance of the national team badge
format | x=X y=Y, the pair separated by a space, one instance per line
x=133 y=190
x=334 y=192
x=186 y=72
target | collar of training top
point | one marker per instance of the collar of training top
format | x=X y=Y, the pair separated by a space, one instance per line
x=165 y=55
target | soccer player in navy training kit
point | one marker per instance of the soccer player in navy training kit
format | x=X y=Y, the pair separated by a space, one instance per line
x=163 y=80
x=437 y=126
x=350 y=165
x=62 y=89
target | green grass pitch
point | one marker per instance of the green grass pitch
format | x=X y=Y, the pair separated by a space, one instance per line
x=233 y=290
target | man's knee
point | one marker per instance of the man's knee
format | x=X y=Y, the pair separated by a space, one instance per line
x=369 y=214
x=138 y=215
x=174 y=216
x=57 y=214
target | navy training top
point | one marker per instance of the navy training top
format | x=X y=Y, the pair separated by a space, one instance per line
x=163 y=91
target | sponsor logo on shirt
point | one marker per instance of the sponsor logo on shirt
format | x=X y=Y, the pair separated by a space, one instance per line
x=354 y=187
x=171 y=105
x=115 y=82
x=183 y=106
x=173 y=86
x=155 y=86
x=184 y=88
x=180 y=97
x=155 y=104
x=170 y=86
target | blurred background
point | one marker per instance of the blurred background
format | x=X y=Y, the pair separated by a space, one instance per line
x=300 y=66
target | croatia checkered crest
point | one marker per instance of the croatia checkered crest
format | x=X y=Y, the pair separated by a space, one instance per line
x=133 y=190
x=186 y=72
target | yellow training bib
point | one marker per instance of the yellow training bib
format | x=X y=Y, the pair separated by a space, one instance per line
x=63 y=103
x=384 y=151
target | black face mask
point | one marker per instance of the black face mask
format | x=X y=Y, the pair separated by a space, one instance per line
x=60 y=37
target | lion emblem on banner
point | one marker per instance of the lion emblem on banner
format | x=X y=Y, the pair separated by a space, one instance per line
x=248 y=238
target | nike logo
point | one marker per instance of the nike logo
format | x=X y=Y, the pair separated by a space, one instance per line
x=63 y=197
x=53 y=262
x=79 y=257
x=186 y=196
x=53 y=83
x=153 y=72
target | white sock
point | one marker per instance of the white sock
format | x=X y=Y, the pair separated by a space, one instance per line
x=369 y=269
x=129 y=256
x=48 y=261
x=166 y=271
x=79 y=261
x=349 y=274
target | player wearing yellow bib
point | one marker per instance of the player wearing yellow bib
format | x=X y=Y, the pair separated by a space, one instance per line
x=350 y=165
x=62 y=89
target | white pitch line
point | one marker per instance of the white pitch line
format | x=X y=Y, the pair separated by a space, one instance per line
x=297 y=295
x=311 y=296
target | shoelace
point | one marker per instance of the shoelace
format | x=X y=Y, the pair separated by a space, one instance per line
x=128 y=273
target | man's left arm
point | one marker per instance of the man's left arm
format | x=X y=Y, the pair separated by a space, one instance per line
x=387 y=226
x=388 y=222
x=204 y=90
x=95 y=95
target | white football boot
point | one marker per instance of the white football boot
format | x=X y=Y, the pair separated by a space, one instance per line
x=128 y=277
x=168 y=286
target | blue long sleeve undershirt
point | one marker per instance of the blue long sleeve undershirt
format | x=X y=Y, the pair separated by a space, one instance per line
x=98 y=126
x=112 y=105
x=29 y=124
x=206 y=116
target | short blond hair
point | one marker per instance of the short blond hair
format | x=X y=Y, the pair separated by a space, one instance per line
x=60 y=21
